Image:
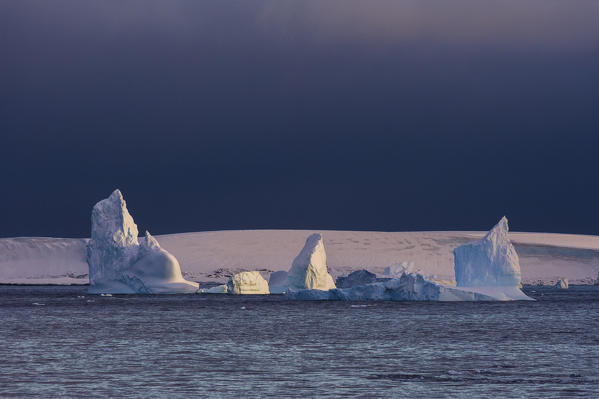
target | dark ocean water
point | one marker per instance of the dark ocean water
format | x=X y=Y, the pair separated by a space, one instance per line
x=62 y=342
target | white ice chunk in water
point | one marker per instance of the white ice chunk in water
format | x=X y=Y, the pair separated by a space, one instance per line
x=245 y=283
x=219 y=289
x=490 y=261
x=562 y=283
x=490 y=265
x=309 y=268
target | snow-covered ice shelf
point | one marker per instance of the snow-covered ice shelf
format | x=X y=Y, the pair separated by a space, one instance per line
x=217 y=255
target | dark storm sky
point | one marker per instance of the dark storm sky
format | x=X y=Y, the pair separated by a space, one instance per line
x=328 y=114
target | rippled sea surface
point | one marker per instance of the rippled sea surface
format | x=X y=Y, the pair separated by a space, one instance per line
x=62 y=342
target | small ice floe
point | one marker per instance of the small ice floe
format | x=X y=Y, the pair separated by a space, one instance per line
x=38 y=304
x=360 y=306
x=562 y=283
x=247 y=283
x=219 y=289
x=242 y=308
x=80 y=296
x=105 y=294
x=90 y=300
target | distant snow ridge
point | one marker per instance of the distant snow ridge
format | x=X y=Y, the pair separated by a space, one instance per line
x=490 y=263
x=309 y=268
x=120 y=264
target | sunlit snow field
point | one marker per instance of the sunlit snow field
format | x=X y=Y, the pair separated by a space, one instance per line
x=62 y=342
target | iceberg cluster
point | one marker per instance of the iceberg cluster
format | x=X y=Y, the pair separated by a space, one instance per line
x=485 y=270
x=119 y=263
x=409 y=287
x=308 y=272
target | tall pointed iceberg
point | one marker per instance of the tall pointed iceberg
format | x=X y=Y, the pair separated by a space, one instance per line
x=309 y=268
x=120 y=264
x=490 y=265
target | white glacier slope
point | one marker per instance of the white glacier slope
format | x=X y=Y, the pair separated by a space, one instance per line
x=213 y=256
x=43 y=260
x=490 y=265
x=120 y=264
x=309 y=268
x=247 y=283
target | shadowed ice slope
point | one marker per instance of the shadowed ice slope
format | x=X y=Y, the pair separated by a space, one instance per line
x=216 y=255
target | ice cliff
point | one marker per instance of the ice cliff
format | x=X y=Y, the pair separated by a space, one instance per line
x=309 y=268
x=120 y=264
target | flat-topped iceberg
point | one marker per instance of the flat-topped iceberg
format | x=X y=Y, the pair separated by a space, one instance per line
x=245 y=283
x=309 y=268
x=120 y=264
x=490 y=265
